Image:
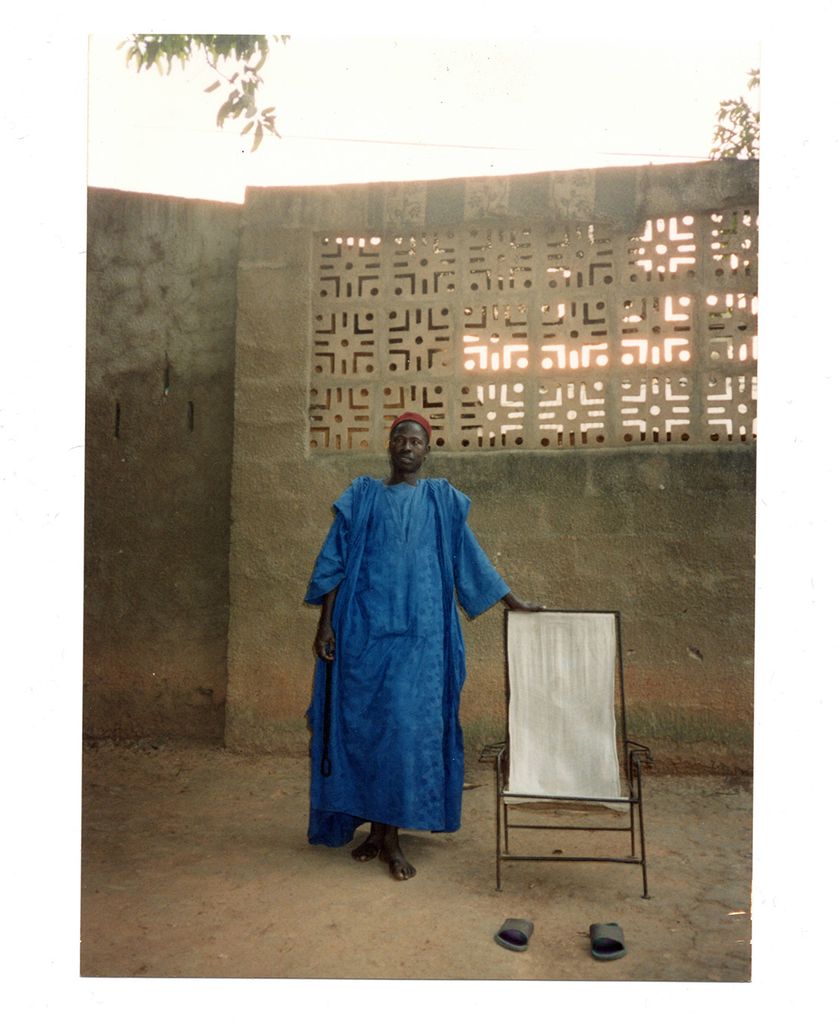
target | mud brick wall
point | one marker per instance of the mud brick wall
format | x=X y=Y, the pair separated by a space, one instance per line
x=161 y=329
x=584 y=345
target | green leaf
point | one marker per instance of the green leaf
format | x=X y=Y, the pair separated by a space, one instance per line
x=247 y=53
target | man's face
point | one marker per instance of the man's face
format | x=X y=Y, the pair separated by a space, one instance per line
x=408 y=446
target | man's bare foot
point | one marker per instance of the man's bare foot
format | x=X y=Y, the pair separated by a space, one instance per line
x=370 y=848
x=391 y=853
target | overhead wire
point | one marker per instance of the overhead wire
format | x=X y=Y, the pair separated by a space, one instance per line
x=419 y=144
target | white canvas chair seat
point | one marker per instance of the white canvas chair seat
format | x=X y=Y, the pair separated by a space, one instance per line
x=562 y=726
x=566 y=731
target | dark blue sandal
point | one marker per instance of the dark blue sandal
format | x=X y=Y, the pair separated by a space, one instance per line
x=514 y=934
x=607 y=942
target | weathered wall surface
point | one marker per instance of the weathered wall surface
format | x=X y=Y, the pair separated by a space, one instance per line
x=161 y=329
x=662 y=532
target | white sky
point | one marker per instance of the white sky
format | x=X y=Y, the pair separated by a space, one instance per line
x=44 y=135
x=464 y=105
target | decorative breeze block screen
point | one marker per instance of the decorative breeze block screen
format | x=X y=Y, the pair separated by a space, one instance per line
x=536 y=336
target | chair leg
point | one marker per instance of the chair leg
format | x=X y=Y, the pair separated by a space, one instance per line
x=642 y=835
x=498 y=823
x=498 y=883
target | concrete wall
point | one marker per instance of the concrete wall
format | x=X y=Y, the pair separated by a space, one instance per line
x=663 y=533
x=161 y=328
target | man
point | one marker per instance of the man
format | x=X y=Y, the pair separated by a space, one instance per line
x=387 y=747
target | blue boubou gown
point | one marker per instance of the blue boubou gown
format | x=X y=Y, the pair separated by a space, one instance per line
x=402 y=557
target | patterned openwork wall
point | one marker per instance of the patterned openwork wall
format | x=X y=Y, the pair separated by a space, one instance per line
x=538 y=335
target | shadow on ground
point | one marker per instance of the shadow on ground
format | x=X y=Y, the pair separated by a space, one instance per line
x=195 y=865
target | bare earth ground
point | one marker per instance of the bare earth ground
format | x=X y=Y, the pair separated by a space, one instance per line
x=196 y=865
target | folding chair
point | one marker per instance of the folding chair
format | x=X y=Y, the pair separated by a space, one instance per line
x=562 y=741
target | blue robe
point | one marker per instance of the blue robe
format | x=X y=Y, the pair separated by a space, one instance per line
x=402 y=556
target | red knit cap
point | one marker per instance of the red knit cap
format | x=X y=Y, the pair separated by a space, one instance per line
x=413 y=417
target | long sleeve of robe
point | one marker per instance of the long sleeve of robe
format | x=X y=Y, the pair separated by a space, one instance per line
x=385 y=714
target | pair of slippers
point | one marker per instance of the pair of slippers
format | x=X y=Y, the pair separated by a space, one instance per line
x=607 y=942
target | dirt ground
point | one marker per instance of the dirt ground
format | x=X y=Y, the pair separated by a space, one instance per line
x=195 y=865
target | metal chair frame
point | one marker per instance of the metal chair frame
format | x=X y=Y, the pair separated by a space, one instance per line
x=634 y=755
